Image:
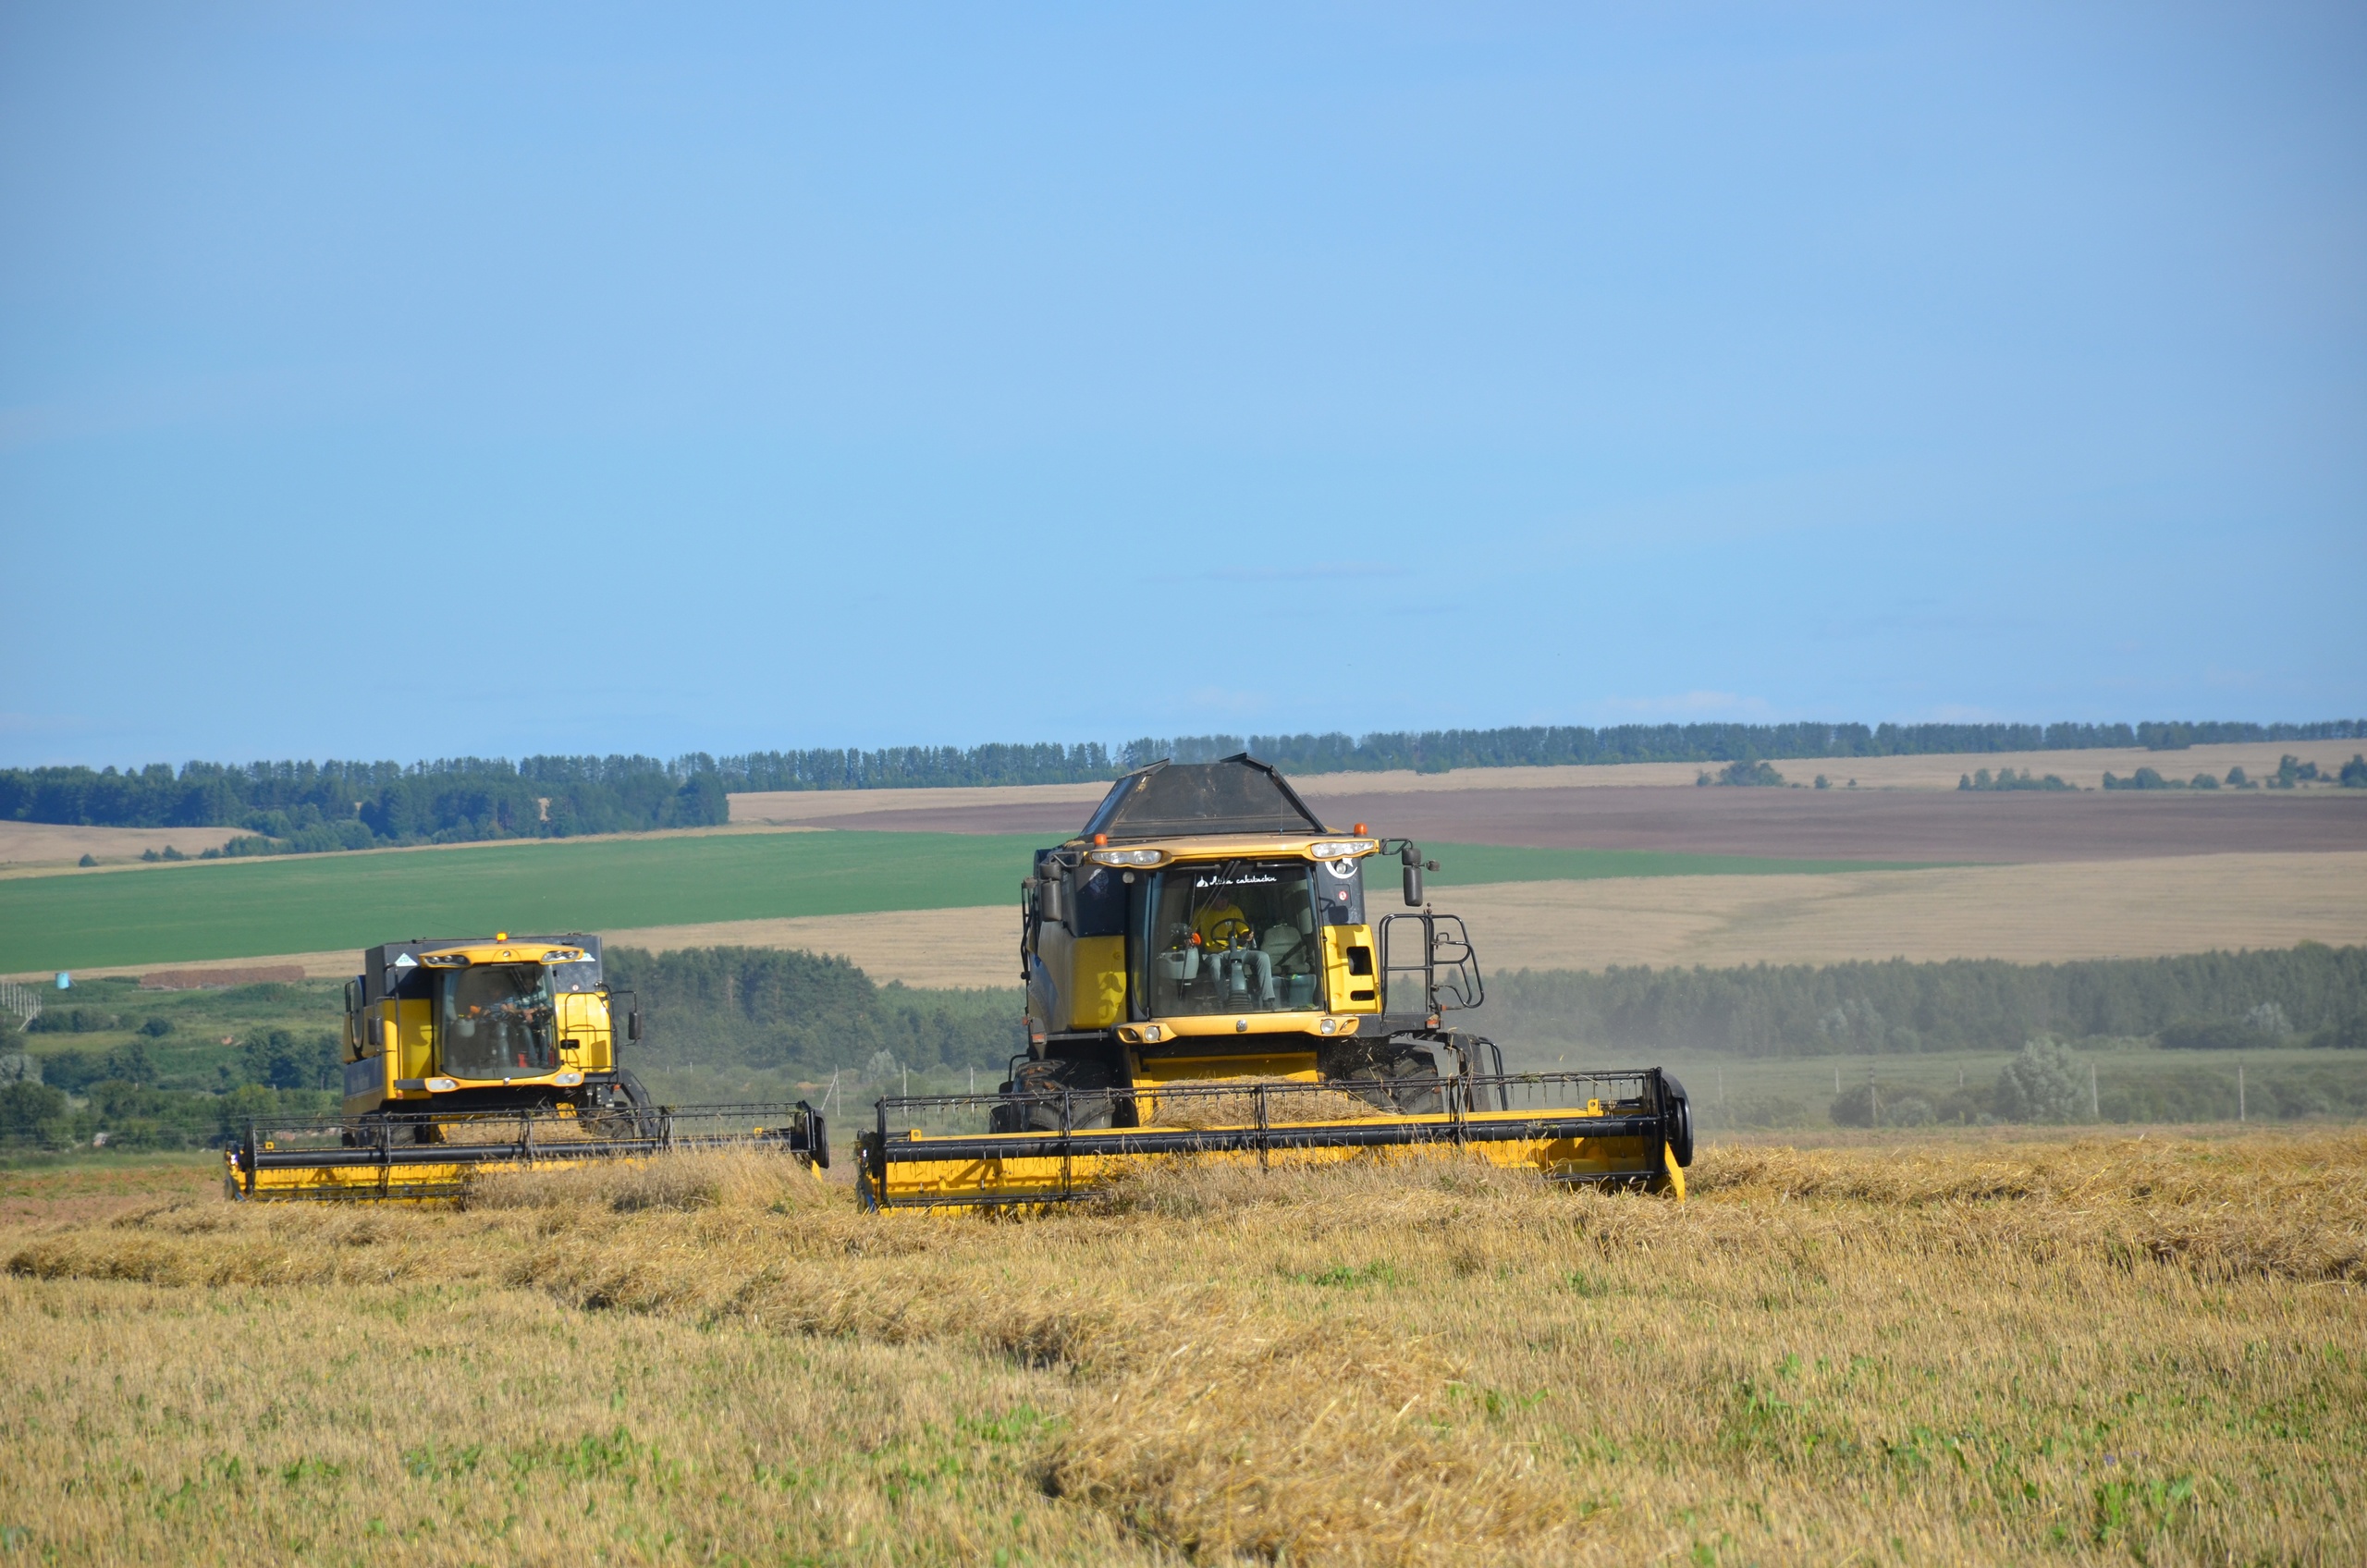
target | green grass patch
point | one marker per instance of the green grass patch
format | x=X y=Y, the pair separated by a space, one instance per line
x=313 y=903
x=1469 y=865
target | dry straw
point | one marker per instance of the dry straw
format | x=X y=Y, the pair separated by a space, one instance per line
x=2091 y=1350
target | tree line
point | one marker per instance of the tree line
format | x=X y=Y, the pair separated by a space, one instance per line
x=1440 y=750
x=306 y=806
x=2047 y=1083
x=2309 y=995
x=122 y=1098
x=895 y=767
x=2291 y=772
x=809 y=1015
x=302 y=806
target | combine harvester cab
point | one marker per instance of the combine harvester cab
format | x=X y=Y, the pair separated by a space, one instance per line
x=1203 y=981
x=476 y=1054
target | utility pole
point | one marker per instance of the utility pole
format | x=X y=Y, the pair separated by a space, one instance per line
x=1873 y=1097
x=2095 y=1111
x=2239 y=1091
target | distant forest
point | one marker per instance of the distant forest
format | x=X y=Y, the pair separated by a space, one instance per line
x=806 y=1014
x=302 y=806
x=1442 y=750
x=2312 y=994
x=298 y=806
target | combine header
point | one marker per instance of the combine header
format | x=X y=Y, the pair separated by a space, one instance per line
x=472 y=1055
x=1203 y=981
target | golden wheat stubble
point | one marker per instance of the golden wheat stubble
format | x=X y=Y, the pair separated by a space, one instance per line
x=2086 y=1349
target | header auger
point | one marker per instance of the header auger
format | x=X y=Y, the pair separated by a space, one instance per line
x=1204 y=982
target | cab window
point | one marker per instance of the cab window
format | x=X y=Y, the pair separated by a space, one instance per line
x=494 y=1021
x=1239 y=937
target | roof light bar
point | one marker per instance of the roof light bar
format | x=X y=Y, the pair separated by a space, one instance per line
x=1129 y=857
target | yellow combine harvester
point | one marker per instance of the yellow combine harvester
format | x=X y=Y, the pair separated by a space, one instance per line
x=1203 y=979
x=470 y=1055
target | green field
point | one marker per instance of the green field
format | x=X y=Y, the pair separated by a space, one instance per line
x=313 y=903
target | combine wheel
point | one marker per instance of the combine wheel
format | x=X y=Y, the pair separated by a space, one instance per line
x=1034 y=1103
x=1409 y=1074
x=624 y=1111
x=1680 y=1121
x=1413 y=1085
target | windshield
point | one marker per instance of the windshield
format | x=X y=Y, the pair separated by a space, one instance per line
x=493 y=1021
x=1236 y=937
x=575 y=977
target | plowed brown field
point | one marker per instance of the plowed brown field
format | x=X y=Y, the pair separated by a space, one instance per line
x=1910 y=825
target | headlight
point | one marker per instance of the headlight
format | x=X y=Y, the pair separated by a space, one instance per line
x=442 y=1086
x=1128 y=857
x=567 y=1080
x=1333 y=848
x=1150 y=1033
x=1331 y=1025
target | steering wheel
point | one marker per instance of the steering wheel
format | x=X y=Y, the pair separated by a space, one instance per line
x=1231 y=932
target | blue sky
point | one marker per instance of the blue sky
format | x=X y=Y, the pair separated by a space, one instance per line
x=419 y=380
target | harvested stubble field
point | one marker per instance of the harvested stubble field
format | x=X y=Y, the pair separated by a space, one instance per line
x=2090 y=1350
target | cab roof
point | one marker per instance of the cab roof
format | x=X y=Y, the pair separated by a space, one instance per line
x=389 y=967
x=1236 y=796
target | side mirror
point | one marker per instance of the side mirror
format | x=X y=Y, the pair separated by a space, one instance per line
x=1412 y=883
x=1051 y=900
x=633 y=1024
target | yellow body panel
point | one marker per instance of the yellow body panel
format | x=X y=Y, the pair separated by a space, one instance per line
x=1087 y=975
x=1096 y=982
x=584 y=1021
x=1297 y=1067
x=412 y=1026
x=1347 y=948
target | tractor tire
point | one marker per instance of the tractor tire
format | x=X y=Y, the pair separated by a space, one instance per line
x=1680 y=1123
x=1413 y=1085
x=1037 y=1088
x=1400 y=1077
